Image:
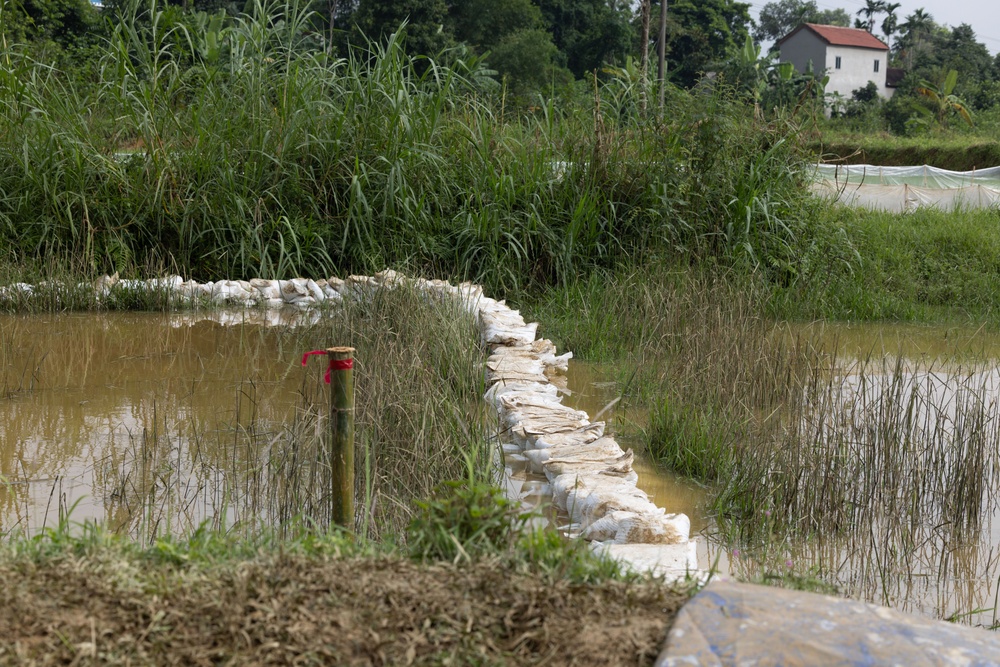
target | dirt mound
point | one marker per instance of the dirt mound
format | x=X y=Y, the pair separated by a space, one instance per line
x=107 y=608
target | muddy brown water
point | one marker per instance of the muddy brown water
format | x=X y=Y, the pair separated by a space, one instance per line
x=591 y=388
x=80 y=394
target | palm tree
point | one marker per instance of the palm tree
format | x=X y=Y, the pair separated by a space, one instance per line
x=889 y=23
x=942 y=96
x=871 y=9
x=917 y=26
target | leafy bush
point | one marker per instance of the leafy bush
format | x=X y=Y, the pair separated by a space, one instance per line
x=463 y=520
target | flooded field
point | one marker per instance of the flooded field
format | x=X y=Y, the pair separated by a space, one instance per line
x=902 y=431
x=95 y=406
x=112 y=417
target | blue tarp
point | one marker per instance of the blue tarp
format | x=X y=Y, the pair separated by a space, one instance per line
x=729 y=624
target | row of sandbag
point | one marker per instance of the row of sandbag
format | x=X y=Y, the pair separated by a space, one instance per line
x=272 y=294
x=590 y=476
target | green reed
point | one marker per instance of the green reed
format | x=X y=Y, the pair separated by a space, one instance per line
x=420 y=421
x=264 y=156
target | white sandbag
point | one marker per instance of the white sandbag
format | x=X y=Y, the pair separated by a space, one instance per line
x=523 y=364
x=587 y=505
x=390 y=278
x=540 y=351
x=317 y=293
x=528 y=430
x=671 y=561
x=505 y=327
x=595 y=450
x=601 y=450
x=620 y=527
x=539 y=403
x=237 y=292
x=166 y=283
x=292 y=291
x=268 y=289
x=565 y=485
x=493 y=394
x=619 y=465
x=535 y=460
x=507 y=377
x=332 y=294
x=586 y=433
x=360 y=286
x=101 y=286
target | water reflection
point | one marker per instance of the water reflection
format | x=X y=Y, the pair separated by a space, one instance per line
x=939 y=387
x=95 y=409
x=83 y=391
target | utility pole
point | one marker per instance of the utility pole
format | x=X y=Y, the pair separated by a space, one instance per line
x=333 y=14
x=662 y=51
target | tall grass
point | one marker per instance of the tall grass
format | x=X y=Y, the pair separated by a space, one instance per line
x=817 y=441
x=266 y=157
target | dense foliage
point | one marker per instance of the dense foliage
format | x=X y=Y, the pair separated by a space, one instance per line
x=237 y=149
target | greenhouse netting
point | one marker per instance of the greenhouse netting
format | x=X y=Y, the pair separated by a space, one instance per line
x=907 y=188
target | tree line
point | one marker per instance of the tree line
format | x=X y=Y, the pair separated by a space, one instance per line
x=553 y=47
x=533 y=45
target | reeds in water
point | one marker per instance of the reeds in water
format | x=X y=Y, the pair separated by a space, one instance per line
x=420 y=421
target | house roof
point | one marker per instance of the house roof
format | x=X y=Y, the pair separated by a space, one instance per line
x=838 y=36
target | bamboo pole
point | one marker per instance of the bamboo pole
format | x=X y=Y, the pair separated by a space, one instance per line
x=342 y=434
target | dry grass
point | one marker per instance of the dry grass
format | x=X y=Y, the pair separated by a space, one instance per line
x=115 y=607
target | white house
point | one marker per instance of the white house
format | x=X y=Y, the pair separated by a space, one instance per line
x=849 y=56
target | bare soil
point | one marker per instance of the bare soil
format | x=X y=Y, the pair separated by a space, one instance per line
x=289 y=609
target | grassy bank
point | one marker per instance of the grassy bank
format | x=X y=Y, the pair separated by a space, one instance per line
x=955 y=152
x=928 y=265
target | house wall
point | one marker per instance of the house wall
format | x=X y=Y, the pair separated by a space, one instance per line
x=857 y=68
x=802 y=48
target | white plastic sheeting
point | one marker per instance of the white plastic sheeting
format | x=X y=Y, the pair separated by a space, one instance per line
x=902 y=189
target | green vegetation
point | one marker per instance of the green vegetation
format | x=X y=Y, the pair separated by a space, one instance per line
x=407 y=445
x=273 y=160
x=929 y=265
x=955 y=151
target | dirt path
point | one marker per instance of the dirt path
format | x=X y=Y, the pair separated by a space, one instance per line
x=305 y=610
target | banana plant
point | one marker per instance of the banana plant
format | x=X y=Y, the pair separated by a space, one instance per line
x=943 y=98
x=760 y=77
x=211 y=33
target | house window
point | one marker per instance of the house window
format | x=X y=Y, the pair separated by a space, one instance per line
x=876 y=64
x=836 y=64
